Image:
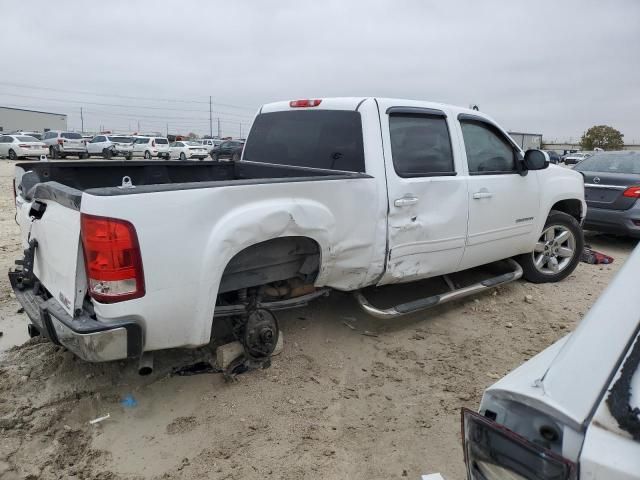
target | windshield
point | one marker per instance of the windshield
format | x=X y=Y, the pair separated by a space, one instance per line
x=121 y=139
x=322 y=139
x=27 y=139
x=71 y=135
x=627 y=162
x=162 y=141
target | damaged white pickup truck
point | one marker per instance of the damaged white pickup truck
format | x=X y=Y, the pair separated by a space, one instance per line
x=124 y=257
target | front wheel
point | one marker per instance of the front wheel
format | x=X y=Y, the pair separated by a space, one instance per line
x=147 y=155
x=183 y=157
x=557 y=251
x=12 y=155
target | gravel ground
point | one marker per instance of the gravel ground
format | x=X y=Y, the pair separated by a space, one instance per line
x=334 y=404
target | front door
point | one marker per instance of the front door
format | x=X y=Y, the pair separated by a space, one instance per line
x=503 y=205
x=427 y=221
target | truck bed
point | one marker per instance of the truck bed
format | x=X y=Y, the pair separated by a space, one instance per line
x=64 y=182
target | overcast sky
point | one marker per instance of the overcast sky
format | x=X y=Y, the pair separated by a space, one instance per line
x=550 y=67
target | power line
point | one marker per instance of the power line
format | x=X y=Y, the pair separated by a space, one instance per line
x=113 y=95
x=119 y=105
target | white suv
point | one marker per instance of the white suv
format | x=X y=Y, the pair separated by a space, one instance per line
x=210 y=143
x=149 y=147
x=111 y=146
x=61 y=144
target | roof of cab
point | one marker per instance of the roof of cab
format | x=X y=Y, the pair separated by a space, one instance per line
x=353 y=103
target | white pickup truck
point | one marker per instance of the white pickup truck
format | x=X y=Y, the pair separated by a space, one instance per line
x=123 y=258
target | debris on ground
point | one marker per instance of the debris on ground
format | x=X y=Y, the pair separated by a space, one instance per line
x=528 y=298
x=99 y=419
x=196 y=369
x=594 y=257
x=128 y=401
x=370 y=334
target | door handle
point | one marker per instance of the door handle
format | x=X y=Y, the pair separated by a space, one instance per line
x=479 y=195
x=405 y=201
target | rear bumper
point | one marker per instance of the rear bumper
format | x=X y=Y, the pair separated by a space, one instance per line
x=89 y=339
x=614 y=221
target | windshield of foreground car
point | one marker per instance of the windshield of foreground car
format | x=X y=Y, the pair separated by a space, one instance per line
x=614 y=162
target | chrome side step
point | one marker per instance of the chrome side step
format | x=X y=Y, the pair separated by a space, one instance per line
x=432 y=301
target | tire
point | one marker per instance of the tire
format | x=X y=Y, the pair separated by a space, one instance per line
x=557 y=251
x=106 y=153
x=214 y=157
x=183 y=157
x=235 y=157
x=53 y=153
x=147 y=155
x=128 y=157
x=12 y=155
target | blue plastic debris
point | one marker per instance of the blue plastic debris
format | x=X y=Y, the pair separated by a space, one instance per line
x=128 y=401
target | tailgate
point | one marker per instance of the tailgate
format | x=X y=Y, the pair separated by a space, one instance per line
x=58 y=263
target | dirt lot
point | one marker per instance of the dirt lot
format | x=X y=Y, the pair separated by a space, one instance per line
x=335 y=404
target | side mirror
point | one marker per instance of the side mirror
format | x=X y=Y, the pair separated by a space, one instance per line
x=536 y=160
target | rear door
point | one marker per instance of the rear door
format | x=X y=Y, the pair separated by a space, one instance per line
x=427 y=191
x=503 y=205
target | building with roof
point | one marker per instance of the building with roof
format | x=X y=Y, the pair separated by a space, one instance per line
x=12 y=119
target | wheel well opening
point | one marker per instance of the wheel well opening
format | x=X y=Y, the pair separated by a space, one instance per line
x=571 y=207
x=274 y=260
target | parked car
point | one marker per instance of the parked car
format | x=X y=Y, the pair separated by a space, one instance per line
x=111 y=146
x=150 y=147
x=357 y=193
x=612 y=190
x=185 y=150
x=210 y=143
x=62 y=144
x=228 y=150
x=573 y=410
x=553 y=156
x=14 y=147
x=36 y=135
x=574 y=158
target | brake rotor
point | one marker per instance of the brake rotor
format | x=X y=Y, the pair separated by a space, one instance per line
x=260 y=334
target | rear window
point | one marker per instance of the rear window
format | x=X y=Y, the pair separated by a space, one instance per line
x=194 y=144
x=27 y=139
x=121 y=139
x=329 y=139
x=142 y=140
x=71 y=135
x=162 y=141
x=612 y=163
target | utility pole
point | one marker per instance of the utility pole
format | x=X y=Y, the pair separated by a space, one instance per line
x=167 y=129
x=218 y=127
x=240 y=129
x=138 y=126
x=210 y=119
x=81 y=119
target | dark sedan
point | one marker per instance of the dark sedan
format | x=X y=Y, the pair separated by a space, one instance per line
x=612 y=190
x=228 y=150
x=553 y=156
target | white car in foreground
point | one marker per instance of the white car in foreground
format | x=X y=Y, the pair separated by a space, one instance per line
x=14 y=147
x=572 y=411
x=185 y=150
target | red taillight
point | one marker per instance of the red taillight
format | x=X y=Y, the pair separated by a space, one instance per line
x=153 y=143
x=24 y=145
x=112 y=259
x=632 y=192
x=60 y=141
x=304 y=103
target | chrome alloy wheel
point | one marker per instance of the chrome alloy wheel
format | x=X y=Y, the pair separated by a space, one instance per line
x=554 y=250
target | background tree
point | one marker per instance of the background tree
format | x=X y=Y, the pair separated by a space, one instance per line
x=602 y=136
x=192 y=136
